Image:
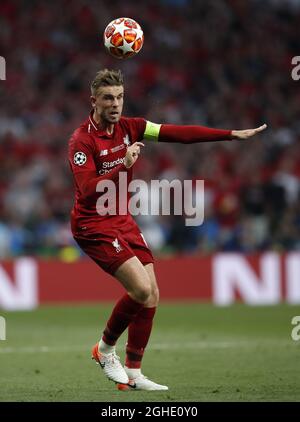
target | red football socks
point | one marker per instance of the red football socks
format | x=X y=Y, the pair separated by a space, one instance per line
x=139 y=332
x=123 y=313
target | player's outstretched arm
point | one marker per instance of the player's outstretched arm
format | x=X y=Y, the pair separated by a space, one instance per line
x=185 y=134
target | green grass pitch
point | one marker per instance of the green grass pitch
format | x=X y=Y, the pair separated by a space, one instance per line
x=202 y=352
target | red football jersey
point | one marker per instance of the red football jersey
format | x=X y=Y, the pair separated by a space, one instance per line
x=94 y=155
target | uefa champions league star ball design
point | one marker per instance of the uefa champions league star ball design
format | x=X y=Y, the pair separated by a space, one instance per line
x=123 y=38
x=79 y=158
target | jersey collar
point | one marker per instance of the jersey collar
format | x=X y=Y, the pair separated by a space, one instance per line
x=93 y=126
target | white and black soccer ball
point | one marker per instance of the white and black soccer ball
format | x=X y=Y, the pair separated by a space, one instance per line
x=79 y=158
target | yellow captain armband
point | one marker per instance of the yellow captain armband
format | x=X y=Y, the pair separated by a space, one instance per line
x=152 y=131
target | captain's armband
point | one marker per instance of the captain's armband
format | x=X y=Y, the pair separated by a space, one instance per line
x=152 y=131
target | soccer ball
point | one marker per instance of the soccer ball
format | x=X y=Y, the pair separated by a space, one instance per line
x=123 y=38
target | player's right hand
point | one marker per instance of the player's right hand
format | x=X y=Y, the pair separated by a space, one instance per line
x=132 y=154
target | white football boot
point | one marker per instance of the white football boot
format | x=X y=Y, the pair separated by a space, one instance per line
x=138 y=381
x=111 y=365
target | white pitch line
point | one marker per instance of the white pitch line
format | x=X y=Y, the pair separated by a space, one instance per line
x=155 y=346
x=42 y=349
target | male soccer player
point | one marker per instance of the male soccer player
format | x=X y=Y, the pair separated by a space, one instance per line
x=105 y=145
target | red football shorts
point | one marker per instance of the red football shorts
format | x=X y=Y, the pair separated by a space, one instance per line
x=113 y=248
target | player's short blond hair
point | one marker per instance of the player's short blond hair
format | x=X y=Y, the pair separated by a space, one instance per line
x=106 y=77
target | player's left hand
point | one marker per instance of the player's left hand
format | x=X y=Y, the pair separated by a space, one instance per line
x=247 y=133
x=132 y=154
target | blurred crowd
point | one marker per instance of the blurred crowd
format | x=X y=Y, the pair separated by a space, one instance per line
x=223 y=63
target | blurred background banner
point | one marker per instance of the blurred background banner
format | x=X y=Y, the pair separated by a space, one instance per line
x=226 y=64
x=222 y=279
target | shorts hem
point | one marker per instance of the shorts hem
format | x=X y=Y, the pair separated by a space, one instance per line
x=113 y=267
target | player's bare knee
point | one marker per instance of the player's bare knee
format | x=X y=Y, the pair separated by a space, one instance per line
x=142 y=294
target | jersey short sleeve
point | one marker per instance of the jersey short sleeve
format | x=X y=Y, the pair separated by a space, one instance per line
x=143 y=129
x=136 y=127
x=81 y=154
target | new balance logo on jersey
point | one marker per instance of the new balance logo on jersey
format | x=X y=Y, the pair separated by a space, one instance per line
x=117 y=245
